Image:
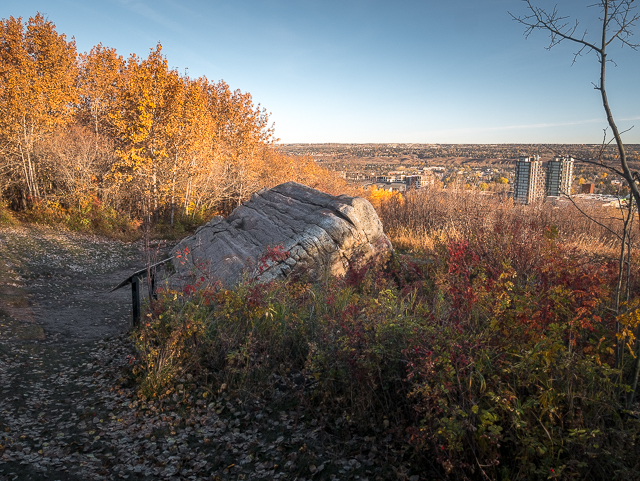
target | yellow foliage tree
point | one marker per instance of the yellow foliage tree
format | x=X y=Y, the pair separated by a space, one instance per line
x=379 y=196
x=141 y=135
x=38 y=75
x=147 y=108
x=101 y=76
x=190 y=140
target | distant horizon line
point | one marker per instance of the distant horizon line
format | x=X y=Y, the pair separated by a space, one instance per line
x=612 y=145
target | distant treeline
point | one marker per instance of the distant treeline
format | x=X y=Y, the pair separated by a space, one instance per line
x=472 y=152
x=128 y=133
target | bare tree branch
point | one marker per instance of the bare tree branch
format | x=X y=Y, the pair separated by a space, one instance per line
x=553 y=23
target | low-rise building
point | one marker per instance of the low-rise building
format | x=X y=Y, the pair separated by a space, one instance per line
x=587 y=188
x=392 y=186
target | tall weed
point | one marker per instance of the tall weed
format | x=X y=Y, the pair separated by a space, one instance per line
x=422 y=218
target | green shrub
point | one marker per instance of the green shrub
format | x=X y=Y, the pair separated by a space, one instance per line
x=6 y=217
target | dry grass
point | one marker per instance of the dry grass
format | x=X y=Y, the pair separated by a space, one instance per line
x=423 y=219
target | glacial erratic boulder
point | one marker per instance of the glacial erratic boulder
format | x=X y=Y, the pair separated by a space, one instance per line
x=290 y=229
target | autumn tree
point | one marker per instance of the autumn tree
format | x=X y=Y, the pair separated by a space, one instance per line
x=133 y=133
x=190 y=137
x=101 y=77
x=147 y=108
x=279 y=168
x=38 y=76
x=241 y=128
x=75 y=163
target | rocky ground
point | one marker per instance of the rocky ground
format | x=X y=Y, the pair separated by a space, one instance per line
x=68 y=410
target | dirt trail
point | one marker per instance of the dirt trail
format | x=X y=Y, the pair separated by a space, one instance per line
x=62 y=340
x=54 y=286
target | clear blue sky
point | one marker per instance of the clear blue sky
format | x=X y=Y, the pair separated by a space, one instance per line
x=420 y=71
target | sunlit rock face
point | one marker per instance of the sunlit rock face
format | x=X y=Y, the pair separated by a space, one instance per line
x=290 y=229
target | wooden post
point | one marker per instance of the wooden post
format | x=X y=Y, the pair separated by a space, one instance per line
x=136 y=281
x=152 y=282
x=135 y=299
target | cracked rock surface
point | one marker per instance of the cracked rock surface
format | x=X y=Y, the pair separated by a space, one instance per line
x=321 y=235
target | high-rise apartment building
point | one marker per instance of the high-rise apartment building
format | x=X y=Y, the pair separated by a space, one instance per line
x=559 y=176
x=529 y=183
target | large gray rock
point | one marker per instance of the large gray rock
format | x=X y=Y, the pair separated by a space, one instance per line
x=322 y=234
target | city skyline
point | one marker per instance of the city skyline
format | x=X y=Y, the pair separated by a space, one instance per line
x=370 y=72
